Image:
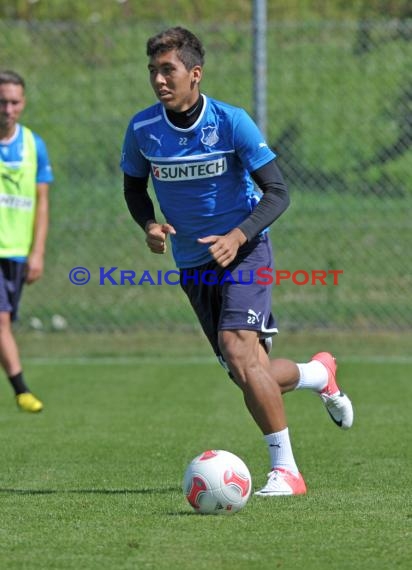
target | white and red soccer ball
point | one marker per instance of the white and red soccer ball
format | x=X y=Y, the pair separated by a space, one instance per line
x=217 y=482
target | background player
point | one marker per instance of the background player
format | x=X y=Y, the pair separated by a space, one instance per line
x=25 y=175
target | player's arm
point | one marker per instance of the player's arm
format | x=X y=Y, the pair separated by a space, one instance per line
x=138 y=200
x=35 y=261
x=273 y=203
x=142 y=210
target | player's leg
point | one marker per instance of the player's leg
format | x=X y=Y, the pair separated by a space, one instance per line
x=9 y=354
x=318 y=375
x=262 y=395
x=227 y=308
x=240 y=350
x=245 y=318
x=11 y=281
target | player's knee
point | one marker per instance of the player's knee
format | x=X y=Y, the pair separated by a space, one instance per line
x=230 y=347
x=5 y=321
x=237 y=355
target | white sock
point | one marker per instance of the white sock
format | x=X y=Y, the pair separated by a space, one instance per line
x=280 y=451
x=313 y=375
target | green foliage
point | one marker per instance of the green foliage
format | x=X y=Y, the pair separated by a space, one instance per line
x=194 y=11
x=317 y=85
x=339 y=116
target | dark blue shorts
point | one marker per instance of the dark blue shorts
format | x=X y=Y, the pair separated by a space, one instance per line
x=12 y=276
x=231 y=298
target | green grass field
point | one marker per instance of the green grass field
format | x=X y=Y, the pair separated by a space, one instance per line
x=94 y=482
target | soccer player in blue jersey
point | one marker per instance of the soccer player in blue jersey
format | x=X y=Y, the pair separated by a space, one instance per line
x=25 y=175
x=204 y=158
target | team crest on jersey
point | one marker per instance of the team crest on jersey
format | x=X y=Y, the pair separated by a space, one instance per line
x=210 y=136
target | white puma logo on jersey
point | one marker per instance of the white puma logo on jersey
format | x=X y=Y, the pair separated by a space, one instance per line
x=155 y=138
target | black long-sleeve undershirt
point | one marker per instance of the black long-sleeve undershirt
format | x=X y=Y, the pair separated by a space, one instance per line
x=138 y=200
x=268 y=178
x=274 y=202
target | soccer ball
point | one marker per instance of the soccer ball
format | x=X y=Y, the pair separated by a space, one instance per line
x=217 y=482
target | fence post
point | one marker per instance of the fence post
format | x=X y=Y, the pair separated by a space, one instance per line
x=259 y=64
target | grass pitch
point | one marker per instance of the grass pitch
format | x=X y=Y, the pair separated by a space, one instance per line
x=94 y=482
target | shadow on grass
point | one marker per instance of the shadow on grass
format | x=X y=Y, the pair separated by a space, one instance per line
x=87 y=491
x=33 y=492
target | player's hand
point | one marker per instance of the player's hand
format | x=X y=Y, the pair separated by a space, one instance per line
x=156 y=235
x=224 y=249
x=34 y=267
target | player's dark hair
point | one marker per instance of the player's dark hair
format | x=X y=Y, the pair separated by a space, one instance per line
x=8 y=76
x=188 y=47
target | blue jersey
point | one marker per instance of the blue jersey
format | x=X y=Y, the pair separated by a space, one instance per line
x=11 y=154
x=201 y=174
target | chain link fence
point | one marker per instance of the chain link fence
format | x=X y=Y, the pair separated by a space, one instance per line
x=339 y=116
